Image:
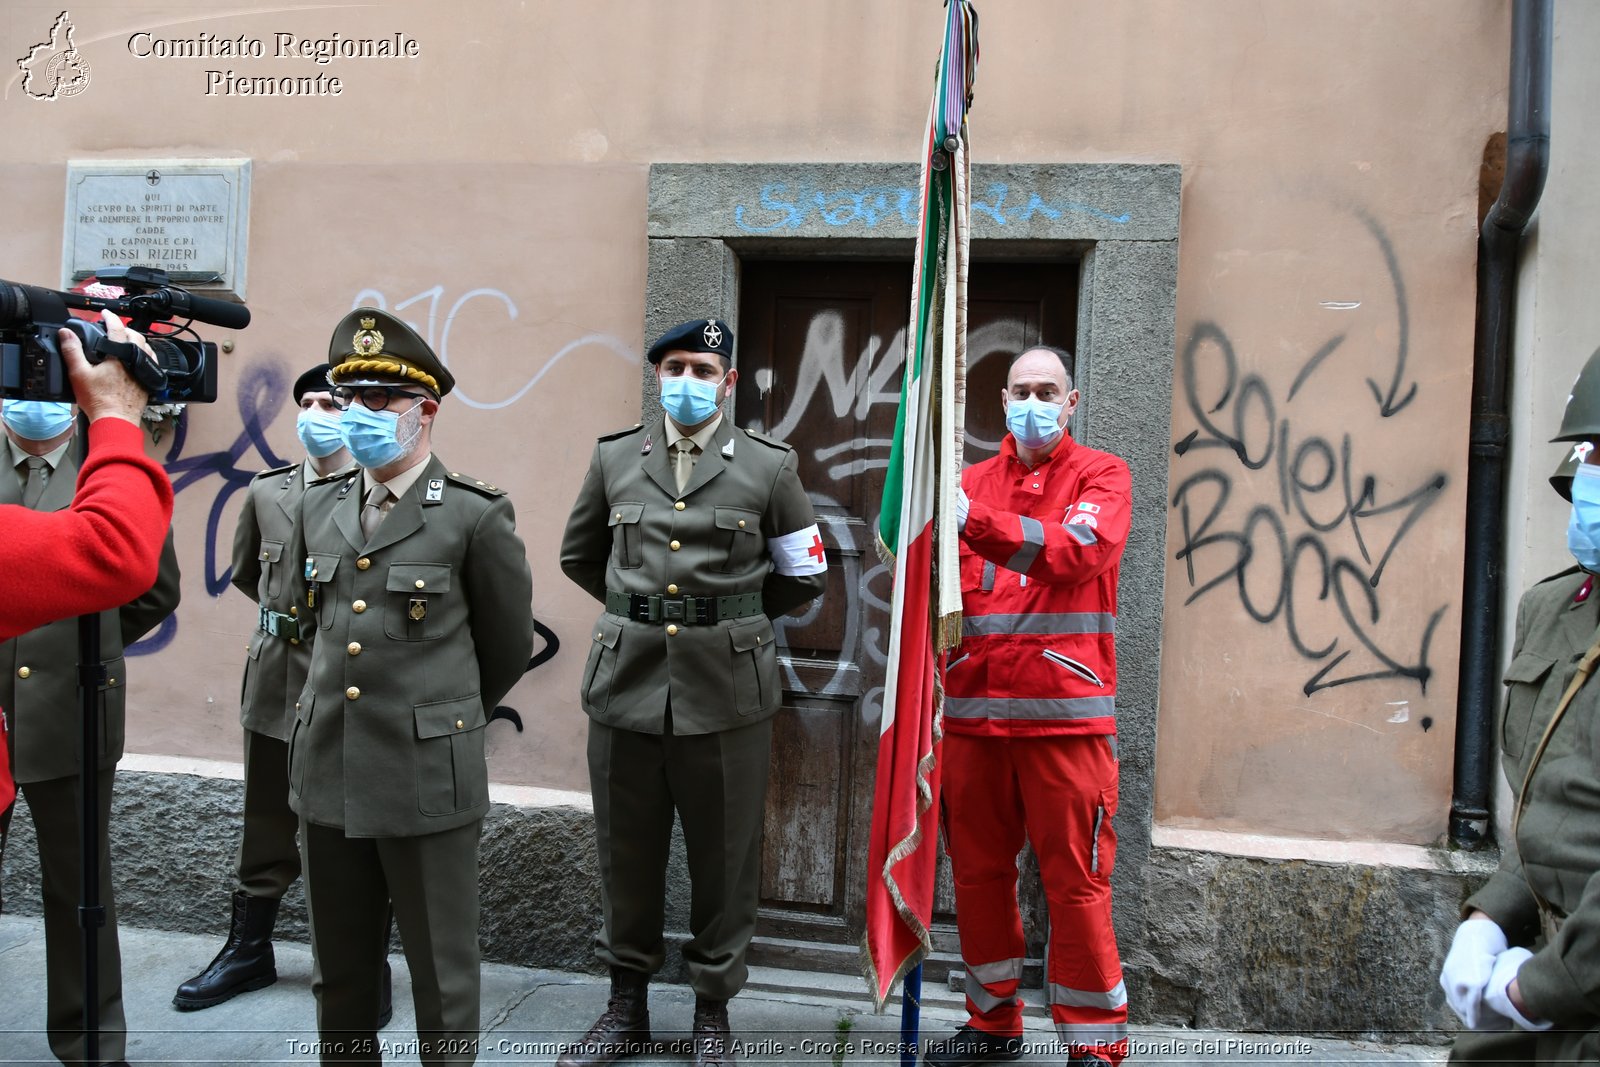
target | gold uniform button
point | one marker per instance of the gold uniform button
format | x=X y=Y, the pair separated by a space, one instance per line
x=459 y=724
x=294 y=640
x=679 y=506
x=619 y=517
x=675 y=546
x=672 y=631
x=672 y=590
x=23 y=672
x=111 y=681
x=741 y=524
x=421 y=583
x=359 y=606
x=352 y=693
x=354 y=648
x=263 y=555
x=294 y=610
x=363 y=563
x=599 y=636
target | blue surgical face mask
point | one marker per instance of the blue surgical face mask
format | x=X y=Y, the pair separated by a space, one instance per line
x=37 y=420
x=1583 y=529
x=1033 y=423
x=319 y=433
x=374 y=438
x=690 y=401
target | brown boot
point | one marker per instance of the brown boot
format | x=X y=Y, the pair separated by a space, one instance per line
x=623 y=1029
x=713 y=1043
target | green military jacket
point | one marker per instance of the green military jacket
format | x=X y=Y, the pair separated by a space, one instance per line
x=39 y=669
x=1558 y=843
x=631 y=531
x=262 y=570
x=419 y=635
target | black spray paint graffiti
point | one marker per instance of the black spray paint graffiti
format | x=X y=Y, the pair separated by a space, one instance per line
x=1280 y=559
x=263 y=391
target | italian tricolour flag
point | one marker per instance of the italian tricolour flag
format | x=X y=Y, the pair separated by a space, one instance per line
x=917 y=531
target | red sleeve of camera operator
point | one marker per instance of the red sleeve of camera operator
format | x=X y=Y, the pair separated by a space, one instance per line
x=101 y=552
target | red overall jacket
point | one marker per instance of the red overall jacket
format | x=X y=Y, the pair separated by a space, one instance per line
x=1039 y=559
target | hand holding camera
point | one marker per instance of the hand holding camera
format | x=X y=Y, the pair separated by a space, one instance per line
x=106 y=389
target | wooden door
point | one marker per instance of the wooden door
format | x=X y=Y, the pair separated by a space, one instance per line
x=821 y=352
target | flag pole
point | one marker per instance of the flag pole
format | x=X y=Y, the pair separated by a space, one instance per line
x=910 y=1015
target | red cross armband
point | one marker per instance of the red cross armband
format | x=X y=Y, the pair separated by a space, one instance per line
x=799 y=553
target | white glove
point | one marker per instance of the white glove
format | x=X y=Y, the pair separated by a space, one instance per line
x=1467 y=968
x=963 y=505
x=1495 y=997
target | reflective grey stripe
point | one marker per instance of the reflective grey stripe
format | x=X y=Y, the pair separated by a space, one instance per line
x=988 y=575
x=1091 y=1033
x=1032 y=543
x=981 y=998
x=998 y=971
x=1094 y=849
x=1084 y=534
x=1111 y=739
x=1084 y=998
x=1029 y=708
x=1059 y=622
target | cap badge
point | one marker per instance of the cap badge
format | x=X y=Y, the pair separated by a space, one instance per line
x=712 y=335
x=368 y=341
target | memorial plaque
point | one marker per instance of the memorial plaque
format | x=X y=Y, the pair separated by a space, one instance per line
x=188 y=217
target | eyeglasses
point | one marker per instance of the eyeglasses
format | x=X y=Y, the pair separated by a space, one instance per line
x=373 y=397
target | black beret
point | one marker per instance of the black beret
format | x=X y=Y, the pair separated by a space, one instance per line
x=314 y=380
x=373 y=347
x=701 y=335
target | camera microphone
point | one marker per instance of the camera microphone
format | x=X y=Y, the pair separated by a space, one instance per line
x=202 y=308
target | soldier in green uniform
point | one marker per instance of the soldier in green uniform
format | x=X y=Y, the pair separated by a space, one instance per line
x=694 y=534
x=278 y=656
x=418 y=586
x=1524 y=967
x=39 y=690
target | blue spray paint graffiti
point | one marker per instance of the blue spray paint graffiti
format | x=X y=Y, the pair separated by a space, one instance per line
x=872 y=204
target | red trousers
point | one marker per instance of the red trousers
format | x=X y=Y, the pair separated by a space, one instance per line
x=1060 y=793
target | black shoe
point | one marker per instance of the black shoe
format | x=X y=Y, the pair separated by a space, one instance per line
x=245 y=962
x=1087 y=1061
x=969 y=1046
x=622 y=1030
x=386 y=1005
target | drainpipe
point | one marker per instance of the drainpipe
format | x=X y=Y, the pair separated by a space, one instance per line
x=1499 y=238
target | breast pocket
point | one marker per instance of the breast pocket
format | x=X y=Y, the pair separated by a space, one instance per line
x=418 y=597
x=1526 y=680
x=738 y=542
x=627 y=549
x=271 y=558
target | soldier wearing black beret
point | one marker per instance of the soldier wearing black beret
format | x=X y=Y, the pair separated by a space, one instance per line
x=277 y=658
x=694 y=535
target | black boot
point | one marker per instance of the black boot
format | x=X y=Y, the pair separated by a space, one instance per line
x=713 y=1042
x=969 y=1046
x=623 y=1029
x=245 y=962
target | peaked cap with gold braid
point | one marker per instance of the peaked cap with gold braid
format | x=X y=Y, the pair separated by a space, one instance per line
x=372 y=347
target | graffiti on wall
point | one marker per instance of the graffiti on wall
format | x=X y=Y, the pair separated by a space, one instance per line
x=264 y=392
x=1310 y=554
x=781 y=206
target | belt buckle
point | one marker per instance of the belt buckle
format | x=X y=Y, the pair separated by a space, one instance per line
x=672 y=610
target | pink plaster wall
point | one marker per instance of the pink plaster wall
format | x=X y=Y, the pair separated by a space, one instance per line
x=1330 y=154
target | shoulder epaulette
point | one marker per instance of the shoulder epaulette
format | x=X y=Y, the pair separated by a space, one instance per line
x=270 y=471
x=348 y=472
x=477 y=486
x=770 y=442
x=1560 y=574
x=618 y=435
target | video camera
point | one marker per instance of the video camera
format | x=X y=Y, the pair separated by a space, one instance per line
x=185 y=369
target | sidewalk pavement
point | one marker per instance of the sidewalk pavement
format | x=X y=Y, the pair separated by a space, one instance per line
x=528 y=1014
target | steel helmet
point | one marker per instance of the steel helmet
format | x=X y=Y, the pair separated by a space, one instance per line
x=1571 y=460
x=1581 y=419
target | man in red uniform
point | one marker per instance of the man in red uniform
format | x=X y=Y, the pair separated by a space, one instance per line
x=1030 y=747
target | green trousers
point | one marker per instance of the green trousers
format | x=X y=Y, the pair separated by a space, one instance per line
x=269 y=859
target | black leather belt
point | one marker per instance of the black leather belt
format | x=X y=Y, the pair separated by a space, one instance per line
x=689 y=610
x=277 y=624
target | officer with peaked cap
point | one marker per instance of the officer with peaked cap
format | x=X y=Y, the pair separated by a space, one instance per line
x=275 y=669
x=418 y=588
x=1524 y=966
x=694 y=535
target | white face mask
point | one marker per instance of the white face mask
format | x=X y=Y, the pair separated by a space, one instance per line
x=1034 y=423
